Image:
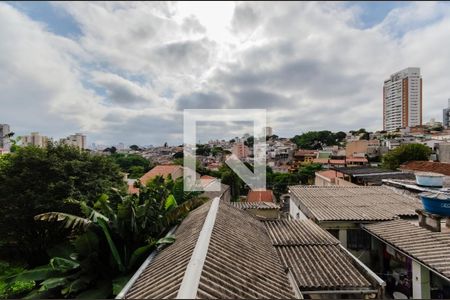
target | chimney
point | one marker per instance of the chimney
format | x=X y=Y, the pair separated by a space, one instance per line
x=430 y=221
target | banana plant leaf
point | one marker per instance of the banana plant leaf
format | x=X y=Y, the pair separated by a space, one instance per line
x=111 y=244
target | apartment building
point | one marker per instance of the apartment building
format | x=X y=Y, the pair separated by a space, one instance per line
x=4 y=139
x=402 y=100
x=241 y=150
x=35 y=139
x=76 y=140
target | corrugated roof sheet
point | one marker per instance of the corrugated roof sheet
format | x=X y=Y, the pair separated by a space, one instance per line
x=298 y=232
x=430 y=248
x=255 y=205
x=240 y=263
x=360 y=203
x=314 y=256
x=162 y=278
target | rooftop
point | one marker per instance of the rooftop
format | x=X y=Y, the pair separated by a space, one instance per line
x=359 y=203
x=161 y=170
x=429 y=248
x=239 y=260
x=427 y=166
x=255 y=205
x=316 y=259
x=258 y=196
x=371 y=175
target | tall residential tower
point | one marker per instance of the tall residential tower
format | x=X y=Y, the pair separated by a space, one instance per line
x=402 y=100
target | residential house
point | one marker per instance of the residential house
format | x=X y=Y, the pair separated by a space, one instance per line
x=341 y=210
x=223 y=252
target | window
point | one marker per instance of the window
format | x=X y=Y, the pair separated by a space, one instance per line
x=334 y=232
x=358 y=239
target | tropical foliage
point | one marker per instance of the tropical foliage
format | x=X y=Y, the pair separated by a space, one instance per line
x=107 y=244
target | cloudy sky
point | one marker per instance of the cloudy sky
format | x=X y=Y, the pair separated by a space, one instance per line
x=124 y=72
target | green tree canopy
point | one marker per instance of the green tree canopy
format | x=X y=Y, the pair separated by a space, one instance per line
x=35 y=180
x=315 y=139
x=133 y=164
x=410 y=152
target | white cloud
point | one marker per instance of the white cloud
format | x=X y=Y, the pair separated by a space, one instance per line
x=135 y=65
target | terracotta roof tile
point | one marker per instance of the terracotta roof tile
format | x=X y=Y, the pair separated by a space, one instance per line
x=161 y=170
x=427 y=166
x=257 y=196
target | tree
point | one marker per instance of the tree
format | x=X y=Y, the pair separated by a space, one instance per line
x=308 y=173
x=315 y=139
x=202 y=150
x=340 y=136
x=410 y=152
x=135 y=147
x=249 y=142
x=35 y=180
x=109 y=241
x=365 y=136
x=133 y=164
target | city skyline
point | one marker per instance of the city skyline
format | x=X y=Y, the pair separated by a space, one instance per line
x=79 y=68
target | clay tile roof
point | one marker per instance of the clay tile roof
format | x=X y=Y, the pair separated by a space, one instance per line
x=357 y=159
x=329 y=174
x=257 y=196
x=305 y=152
x=161 y=170
x=337 y=161
x=320 y=160
x=427 y=166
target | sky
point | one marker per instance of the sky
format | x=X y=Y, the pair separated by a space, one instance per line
x=125 y=71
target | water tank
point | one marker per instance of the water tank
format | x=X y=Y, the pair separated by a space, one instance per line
x=429 y=179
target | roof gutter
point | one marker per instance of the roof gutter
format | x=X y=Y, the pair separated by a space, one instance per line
x=141 y=269
x=191 y=280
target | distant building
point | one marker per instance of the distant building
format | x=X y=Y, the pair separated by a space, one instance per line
x=35 y=139
x=4 y=139
x=77 y=140
x=268 y=131
x=446 y=116
x=402 y=100
x=361 y=148
x=240 y=150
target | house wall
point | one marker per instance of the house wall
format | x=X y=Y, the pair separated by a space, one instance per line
x=342 y=182
x=322 y=181
x=295 y=212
